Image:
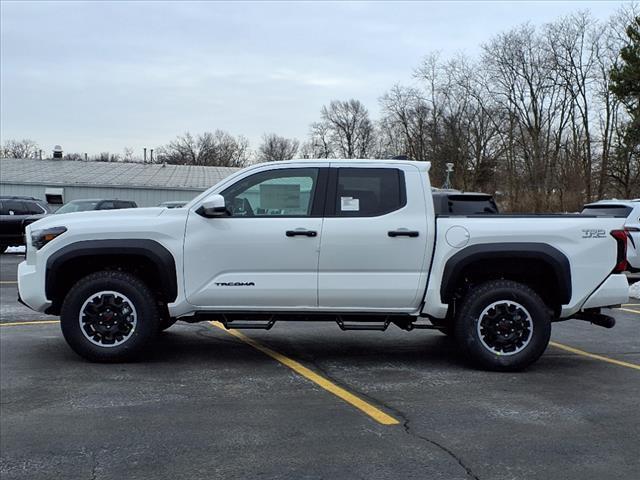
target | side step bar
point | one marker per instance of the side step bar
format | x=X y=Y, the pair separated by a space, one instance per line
x=401 y=322
x=247 y=324
x=596 y=318
x=346 y=321
x=379 y=326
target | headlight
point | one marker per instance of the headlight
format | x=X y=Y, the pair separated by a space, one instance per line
x=40 y=238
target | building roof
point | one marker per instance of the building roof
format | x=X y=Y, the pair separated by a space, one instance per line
x=110 y=174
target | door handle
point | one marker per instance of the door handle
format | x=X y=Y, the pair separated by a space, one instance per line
x=403 y=233
x=305 y=233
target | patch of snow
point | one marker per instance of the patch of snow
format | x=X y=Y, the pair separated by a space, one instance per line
x=19 y=249
x=634 y=290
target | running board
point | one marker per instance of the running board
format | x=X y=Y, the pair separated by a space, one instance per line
x=230 y=323
x=596 y=318
x=420 y=326
x=379 y=326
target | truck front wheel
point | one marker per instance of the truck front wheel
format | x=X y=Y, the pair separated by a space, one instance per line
x=109 y=316
x=503 y=325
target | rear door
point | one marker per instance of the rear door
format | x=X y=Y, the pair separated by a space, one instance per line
x=373 y=246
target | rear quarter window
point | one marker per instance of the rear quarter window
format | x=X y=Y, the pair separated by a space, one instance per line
x=35 y=208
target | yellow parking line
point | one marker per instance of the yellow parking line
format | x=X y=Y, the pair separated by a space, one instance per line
x=631 y=304
x=628 y=310
x=374 y=412
x=33 y=322
x=594 y=356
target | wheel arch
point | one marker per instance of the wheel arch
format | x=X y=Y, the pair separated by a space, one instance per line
x=148 y=259
x=543 y=267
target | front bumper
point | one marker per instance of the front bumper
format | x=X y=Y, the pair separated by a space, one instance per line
x=613 y=291
x=31 y=287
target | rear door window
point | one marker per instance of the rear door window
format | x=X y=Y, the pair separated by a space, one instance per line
x=368 y=192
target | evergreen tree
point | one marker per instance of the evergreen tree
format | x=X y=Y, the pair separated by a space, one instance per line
x=625 y=80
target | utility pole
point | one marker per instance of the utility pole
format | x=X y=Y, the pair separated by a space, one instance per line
x=151 y=159
x=447 y=182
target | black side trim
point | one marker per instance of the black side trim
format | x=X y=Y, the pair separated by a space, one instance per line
x=507 y=251
x=150 y=249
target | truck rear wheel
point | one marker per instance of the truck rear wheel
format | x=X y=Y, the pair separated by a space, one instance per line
x=503 y=325
x=109 y=316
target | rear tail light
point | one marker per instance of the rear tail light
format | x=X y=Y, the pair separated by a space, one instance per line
x=621 y=237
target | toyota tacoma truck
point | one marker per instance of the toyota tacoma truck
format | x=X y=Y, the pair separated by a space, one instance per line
x=351 y=241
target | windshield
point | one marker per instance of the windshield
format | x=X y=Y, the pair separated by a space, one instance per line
x=78 y=206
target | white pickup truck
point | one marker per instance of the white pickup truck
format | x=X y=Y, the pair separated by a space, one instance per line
x=352 y=241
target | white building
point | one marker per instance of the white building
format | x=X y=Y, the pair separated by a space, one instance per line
x=146 y=184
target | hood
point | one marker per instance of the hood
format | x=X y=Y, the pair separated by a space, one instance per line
x=102 y=217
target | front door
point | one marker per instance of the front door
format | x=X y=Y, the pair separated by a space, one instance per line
x=265 y=254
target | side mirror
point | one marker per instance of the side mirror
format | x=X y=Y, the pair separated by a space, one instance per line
x=213 y=206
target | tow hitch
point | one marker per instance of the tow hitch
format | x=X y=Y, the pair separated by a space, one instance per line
x=595 y=317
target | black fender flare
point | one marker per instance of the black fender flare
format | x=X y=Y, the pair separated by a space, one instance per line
x=150 y=249
x=550 y=256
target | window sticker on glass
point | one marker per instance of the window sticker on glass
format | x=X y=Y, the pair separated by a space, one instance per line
x=349 y=204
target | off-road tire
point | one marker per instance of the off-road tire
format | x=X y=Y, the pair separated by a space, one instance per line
x=473 y=343
x=135 y=290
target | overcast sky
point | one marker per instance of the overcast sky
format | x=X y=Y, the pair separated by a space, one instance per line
x=103 y=76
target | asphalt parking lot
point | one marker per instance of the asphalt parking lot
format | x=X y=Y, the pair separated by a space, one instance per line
x=307 y=401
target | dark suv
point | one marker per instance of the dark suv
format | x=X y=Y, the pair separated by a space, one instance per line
x=15 y=214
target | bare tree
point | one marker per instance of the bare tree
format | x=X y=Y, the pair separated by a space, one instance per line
x=405 y=125
x=74 y=156
x=320 y=145
x=210 y=148
x=351 y=130
x=275 y=148
x=25 y=148
x=127 y=154
x=106 y=157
